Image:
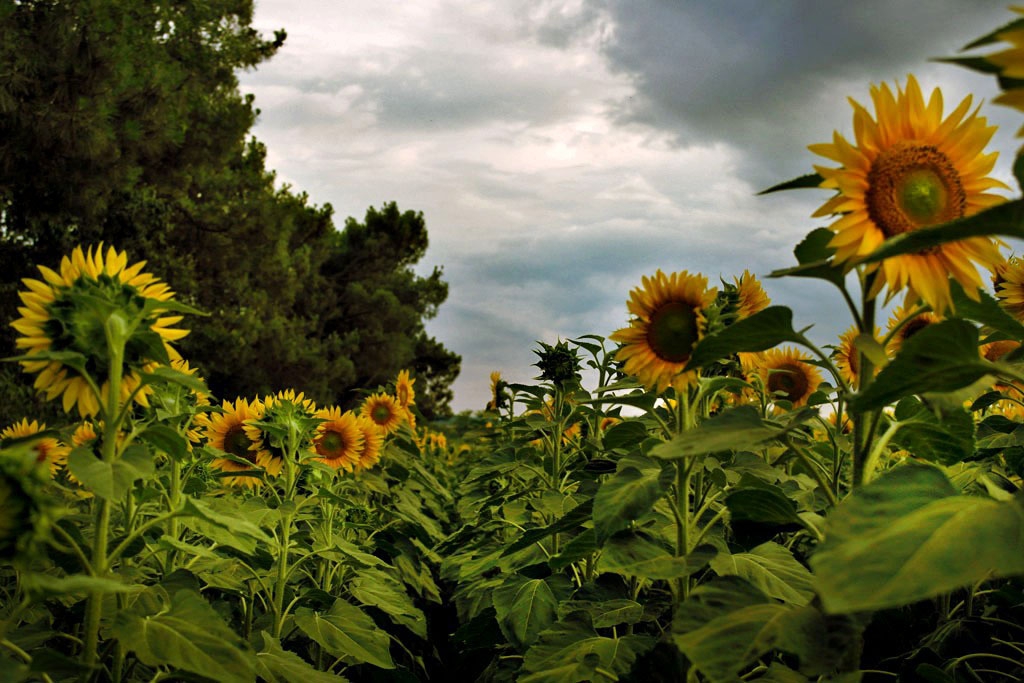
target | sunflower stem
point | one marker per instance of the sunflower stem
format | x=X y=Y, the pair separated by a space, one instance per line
x=862 y=439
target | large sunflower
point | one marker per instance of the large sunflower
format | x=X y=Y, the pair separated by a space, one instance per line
x=226 y=431
x=339 y=441
x=910 y=169
x=669 y=321
x=57 y=317
x=48 y=449
x=383 y=410
x=788 y=376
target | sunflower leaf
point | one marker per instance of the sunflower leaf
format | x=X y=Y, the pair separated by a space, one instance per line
x=993 y=36
x=804 y=181
x=979 y=64
x=111 y=480
x=986 y=310
x=942 y=357
x=1006 y=220
x=164 y=374
x=763 y=330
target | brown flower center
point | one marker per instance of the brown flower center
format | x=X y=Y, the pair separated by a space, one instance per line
x=380 y=414
x=672 y=332
x=237 y=443
x=912 y=186
x=914 y=326
x=332 y=445
x=789 y=382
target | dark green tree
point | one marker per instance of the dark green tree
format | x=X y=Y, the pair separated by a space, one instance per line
x=122 y=122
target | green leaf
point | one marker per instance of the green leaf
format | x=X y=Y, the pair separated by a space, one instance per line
x=986 y=311
x=814 y=257
x=626 y=436
x=375 y=588
x=771 y=568
x=1005 y=220
x=628 y=494
x=274 y=664
x=346 y=631
x=763 y=330
x=946 y=437
x=606 y=613
x=111 y=480
x=994 y=36
x=941 y=357
x=165 y=439
x=572 y=520
x=572 y=652
x=184 y=632
x=811 y=180
x=524 y=607
x=632 y=554
x=220 y=522
x=40 y=585
x=902 y=538
x=163 y=374
x=739 y=429
x=765 y=504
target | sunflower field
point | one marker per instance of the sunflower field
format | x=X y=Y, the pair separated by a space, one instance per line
x=720 y=500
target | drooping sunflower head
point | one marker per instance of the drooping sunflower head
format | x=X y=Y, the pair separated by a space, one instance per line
x=48 y=449
x=787 y=375
x=383 y=410
x=911 y=168
x=339 y=442
x=668 y=322
x=906 y=325
x=497 y=391
x=68 y=311
x=226 y=431
x=404 y=393
x=373 y=442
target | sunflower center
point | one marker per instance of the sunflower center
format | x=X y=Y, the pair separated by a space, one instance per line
x=237 y=443
x=788 y=382
x=672 y=332
x=380 y=413
x=331 y=445
x=914 y=326
x=912 y=186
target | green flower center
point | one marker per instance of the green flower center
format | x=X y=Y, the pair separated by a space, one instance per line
x=912 y=186
x=380 y=413
x=789 y=382
x=673 y=331
x=237 y=443
x=331 y=445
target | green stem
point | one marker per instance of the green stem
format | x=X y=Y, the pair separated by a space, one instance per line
x=816 y=472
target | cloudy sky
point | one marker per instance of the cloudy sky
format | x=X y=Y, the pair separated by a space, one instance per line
x=561 y=149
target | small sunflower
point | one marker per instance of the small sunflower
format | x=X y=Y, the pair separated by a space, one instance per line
x=497 y=397
x=384 y=411
x=289 y=411
x=752 y=297
x=607 y=422
x=339 y=441
x=373 y=442
x=911 y=169
x=847 y=357
x=226 y=431
x=1008 y=281
x=669 y=321
x=57 y=316
x=907 y=328
x=48 y=449
x=996 y=351
x=404 y=393
x=788 y=376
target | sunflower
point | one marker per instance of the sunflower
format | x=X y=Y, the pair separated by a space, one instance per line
x=907 y=327
x=996 y=351
x=339 y=441
x=752 y=297
x=1011 y=66
x=607 y=422
x=908 y=170
x=384 y=411
x=788 y=376
x=669 y=321
x=57 y=316
x=847 y=357
x=48 y=449
x=373 y=442
x=288 y=411
x=404 y=392
x=1008 y=281
x=497 y=399
x=226 y=431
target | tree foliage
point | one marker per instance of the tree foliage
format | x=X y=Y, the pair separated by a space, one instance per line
x=123 y=122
